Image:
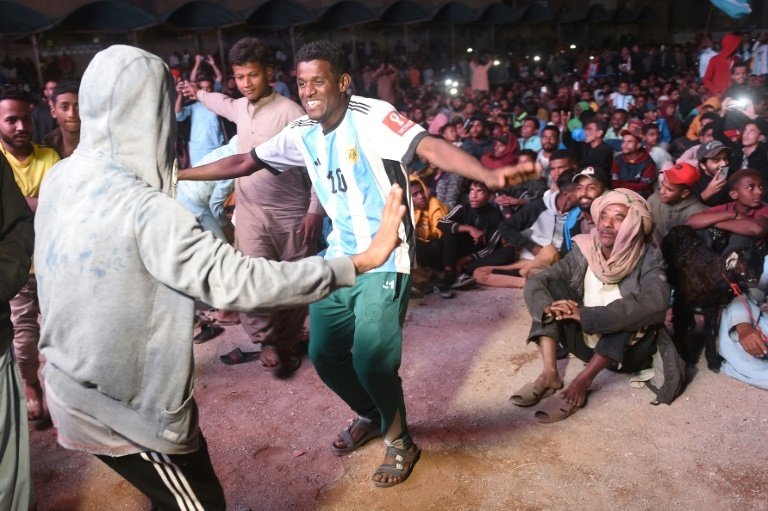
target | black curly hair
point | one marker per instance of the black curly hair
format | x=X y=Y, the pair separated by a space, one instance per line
x=15 y=92
x=324 y=50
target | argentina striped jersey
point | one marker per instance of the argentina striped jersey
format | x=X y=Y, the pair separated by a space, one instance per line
x=352 y=168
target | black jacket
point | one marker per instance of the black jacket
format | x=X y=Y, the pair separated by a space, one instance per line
x=16 y=244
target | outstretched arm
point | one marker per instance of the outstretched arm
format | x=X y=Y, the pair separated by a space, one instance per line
x=231 y=167
x=452 y=159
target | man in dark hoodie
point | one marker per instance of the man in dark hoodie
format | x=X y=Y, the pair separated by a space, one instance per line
x=16 y=241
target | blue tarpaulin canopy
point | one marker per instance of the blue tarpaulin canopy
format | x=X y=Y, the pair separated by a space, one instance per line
x=17 y=19
x=499 y=14
x=276 y=14
x=454 y=13
x=202 y=15
x=404 y=12
x=346 y=13
x=107 y=16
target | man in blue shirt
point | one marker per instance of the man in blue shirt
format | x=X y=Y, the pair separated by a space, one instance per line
x=206 y=133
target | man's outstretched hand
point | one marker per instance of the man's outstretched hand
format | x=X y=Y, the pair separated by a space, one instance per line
x=511 y=175
x=386 y=239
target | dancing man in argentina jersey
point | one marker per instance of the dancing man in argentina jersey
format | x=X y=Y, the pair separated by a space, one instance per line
x=354 y=150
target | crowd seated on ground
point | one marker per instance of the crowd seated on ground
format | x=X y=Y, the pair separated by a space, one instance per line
x=683 y=137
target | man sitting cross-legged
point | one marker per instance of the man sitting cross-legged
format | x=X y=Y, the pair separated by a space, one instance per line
x=604 y=301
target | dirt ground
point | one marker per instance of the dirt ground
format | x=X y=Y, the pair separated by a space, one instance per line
x=462 y=360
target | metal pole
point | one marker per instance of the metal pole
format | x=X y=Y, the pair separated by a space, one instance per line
x=220 y=41
x=37 y=61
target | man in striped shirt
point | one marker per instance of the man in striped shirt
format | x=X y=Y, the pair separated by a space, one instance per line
x=355 y=150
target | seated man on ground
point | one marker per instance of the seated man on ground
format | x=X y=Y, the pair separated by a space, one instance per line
x=512 y=199
x=471 y=239
x=591 y=183
x=605 y=301
x=713 y=163
x=706 y=133
x=659 y=154
x=743 y=341
x=633 y=168
x=537 y=231
x=427 y=212
x=743 y=222
x=675 y=201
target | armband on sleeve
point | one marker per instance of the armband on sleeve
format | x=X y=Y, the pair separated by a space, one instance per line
x=262 y=164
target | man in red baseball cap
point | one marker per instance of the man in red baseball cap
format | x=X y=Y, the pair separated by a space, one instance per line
x=674 y=202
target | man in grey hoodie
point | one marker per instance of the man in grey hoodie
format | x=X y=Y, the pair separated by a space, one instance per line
x=120 y=263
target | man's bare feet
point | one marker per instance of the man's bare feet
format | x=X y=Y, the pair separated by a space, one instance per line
x=284 y=362
x=547 y=380
x=227 y=317
x=576 y=392
x=269 y=356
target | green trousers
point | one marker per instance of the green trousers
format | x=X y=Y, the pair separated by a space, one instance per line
x=356 y=342
x=16 y=493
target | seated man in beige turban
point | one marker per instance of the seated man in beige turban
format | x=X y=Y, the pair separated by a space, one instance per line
x=604 y=302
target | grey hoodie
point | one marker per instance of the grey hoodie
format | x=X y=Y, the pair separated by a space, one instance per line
x=119 y=263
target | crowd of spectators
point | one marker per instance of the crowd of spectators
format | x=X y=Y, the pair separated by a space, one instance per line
x=684 y=127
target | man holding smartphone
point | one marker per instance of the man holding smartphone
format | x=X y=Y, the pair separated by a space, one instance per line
x=713 y=163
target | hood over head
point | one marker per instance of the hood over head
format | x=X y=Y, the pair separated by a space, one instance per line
x=417 y=180
x=126 y=111
x=729 y=44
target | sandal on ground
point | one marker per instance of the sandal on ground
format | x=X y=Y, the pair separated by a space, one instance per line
x=372 y=429
x=531 y=393
x=237 y=356
x=555 y=410
x=201 y=319
x=404 y=460
x=207 y=332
